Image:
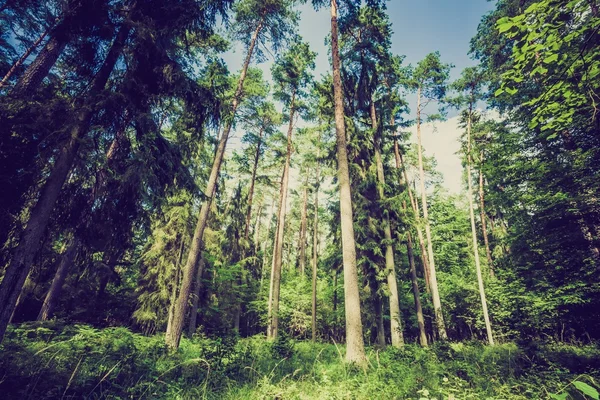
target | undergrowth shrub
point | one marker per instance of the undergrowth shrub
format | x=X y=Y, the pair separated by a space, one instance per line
x=52 y=360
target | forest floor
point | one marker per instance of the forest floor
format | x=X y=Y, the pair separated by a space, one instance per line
x=57 y=361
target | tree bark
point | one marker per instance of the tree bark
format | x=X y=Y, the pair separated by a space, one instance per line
x=315 y=249
x=409 y=248
x=415 y=207
x=43 y=63
x=273 y=309
x=59 y=278
x=303 y=228
x=189 y=271
x=252 y=183
x=488 y=326
x=22 y=59
x=435 y=294
x=415 y=288
x=355 y=347
x=390 y=265
x=29 y=242
x=196 y=298
x=482 y=214
x=175 y=284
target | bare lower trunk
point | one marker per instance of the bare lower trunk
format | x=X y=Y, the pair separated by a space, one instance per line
x=355 y=347
x=252 y=183
x=273 y=309
x=482 y=214
x=303 y=226
x=415 y=207
x=390 y=265
x=488 y=326
x=315 y=249
x=29 y=242
x=378 y=308
x=189 y=271
x=175 y=286
x=264 y=249
x=415 y=289
x=435 y=294
x=196 y=299
x=22 y=59
x=60 y=276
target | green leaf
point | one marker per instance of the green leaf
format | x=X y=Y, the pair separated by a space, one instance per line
x=511 y=91
x=499 y=92
x=505 y=26
x=587 y=390
x=561 y=396
x=551 y=58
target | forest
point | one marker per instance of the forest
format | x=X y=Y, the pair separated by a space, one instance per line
x=177 y=226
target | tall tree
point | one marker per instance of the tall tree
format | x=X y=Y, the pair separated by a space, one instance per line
x=470 y=86
x=255 y=22
x=38 y=220
x=292 y=75
x=429 y=80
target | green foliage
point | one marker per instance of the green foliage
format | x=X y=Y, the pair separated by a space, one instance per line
x=51 y=360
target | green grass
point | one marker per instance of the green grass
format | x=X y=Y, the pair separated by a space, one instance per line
x=50 y=361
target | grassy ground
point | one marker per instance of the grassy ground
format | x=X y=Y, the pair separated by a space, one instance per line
x=51 y=361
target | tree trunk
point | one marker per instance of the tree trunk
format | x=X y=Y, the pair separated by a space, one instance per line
x=415 y=288
x=22 y=59
x=29 y=242
x=40 y=67
x=175 y=286
x=315 y=249
x=409 y=248
x=435 y=294
x=486 y=241
x=390 y=265
x=257 y=225
x=264 y=247
x=59 y=278
x=415 y=207
x=488 y=326
x=189 y=271
x=355 y=347
x=273 y=309
x=303 y=227
x=196 y=298
x=252 y=183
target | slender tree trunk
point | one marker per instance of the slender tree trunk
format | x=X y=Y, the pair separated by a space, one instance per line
x=264 y=248
x=435 y=294
x=175 y=286
x=273 y=310
x=29 y=242
x=74 y=244
x=257 y=225
x=196 y=298
x=409 y=247
x=252 y=183
x=315 y=249
x=390 y=265
x=191 y=266
x=488 y=326
x=59 y=278
x=415 y=207
x=486 y=241
x=22 y=59
x=303 y=228
x=378 y=308
x=415 y=288
x=355 y=347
